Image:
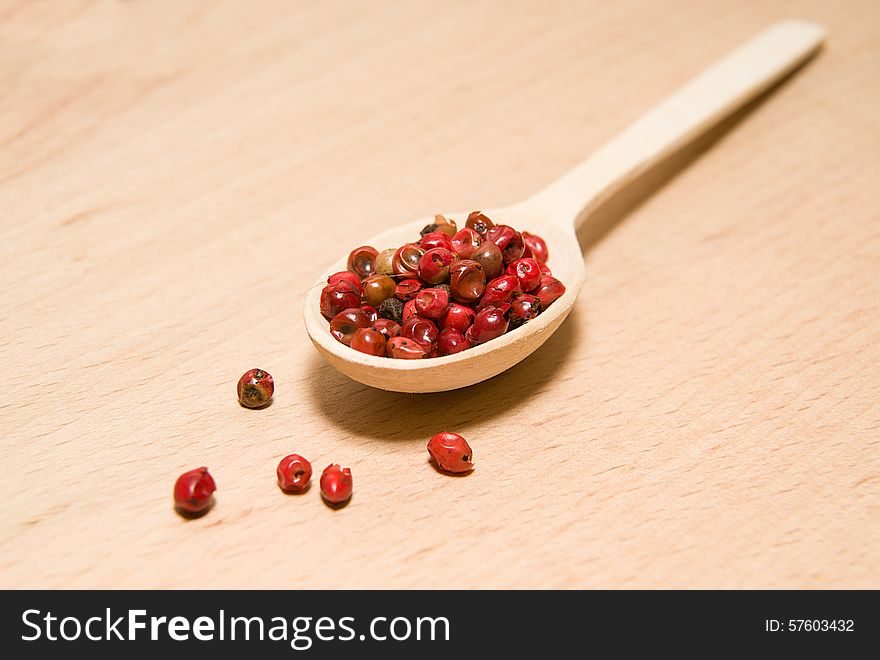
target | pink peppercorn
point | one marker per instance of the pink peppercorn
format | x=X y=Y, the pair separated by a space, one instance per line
x=294 y=473
x=336 y=484
x=194 y=492
x=451 y=452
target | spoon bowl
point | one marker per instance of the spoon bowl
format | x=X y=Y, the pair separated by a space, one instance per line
x=557 y=211
x=477 y=363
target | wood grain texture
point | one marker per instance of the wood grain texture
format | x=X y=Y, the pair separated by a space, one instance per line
x=173 y=178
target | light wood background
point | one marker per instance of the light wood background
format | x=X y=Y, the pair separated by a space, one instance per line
x=173 y=176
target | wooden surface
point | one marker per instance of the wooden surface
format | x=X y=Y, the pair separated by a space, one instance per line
x=174 y=176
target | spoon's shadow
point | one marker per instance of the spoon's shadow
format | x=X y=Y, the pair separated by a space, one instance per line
x=370 y=413
x=366 y=412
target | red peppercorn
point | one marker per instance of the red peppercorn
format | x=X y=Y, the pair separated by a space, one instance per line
x=527 y=271
x=338 y=296
x=477 y=221
x=489 y=257
x=467 y=281
x=403 y=348
x=434 y=265
x=545 y=269
x=371 y=312
x=451 y=452
x=451 y=341
x=336 y=484
x=346 y=276
x=436 y=239
x=255 y=388
x=294 y=473
x=369 y=341
x=387 y=327
x=432 y=303
x=362 y=261
x=508 y=240
x=536 y=246
x=377 y=288
x=459 y=317
x=549 y=290
x=420 y=330
x=407 y=289
x=465 y=242
x=499 y=291
x=194 y=491
x=524 y=308
x=347 y=322
x=409 y=309
x=488 y=324
x=406 y=259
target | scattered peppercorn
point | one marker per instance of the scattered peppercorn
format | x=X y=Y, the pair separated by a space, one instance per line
x=194 y=492
x=294 y=473
x=477 y=282
x=256 y=388
x=336 y=484
x=451 y=452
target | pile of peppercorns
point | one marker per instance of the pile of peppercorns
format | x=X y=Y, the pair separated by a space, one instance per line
x=453 y=289
x=194 y=489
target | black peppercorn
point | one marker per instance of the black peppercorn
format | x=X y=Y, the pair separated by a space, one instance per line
x=428 y=229
x=391 y=308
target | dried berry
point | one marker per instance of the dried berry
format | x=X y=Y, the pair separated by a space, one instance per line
x=451 y=452
x=459 y=317
x=467 y=281
x=527 y=271
x=403 y=348
x=466 y=242
x=377 y=288
x=392 y=309
x=362 y=261
x=436 y=239
x=420 y=330
x=478 y=222
x=336 y=484
x=432 y=303
x=524 y=308
x=347 y=277
x=549 y=290
x=371 y=312
x=255 y=388
x=347 y=322
x=489 y=257
x=434 y=265
x=194 y=492
x=406 y=259
x=499 y=291
x=294 y=473
x=451 y=341
x=387 y=327
x=508 y=240
x=385 y=262
x=488 y=324
x=338 y=296
x=536 y=246
x=369 y=341
x=407 y=289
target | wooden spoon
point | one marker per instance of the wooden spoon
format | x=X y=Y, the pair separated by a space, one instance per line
x=556 y=212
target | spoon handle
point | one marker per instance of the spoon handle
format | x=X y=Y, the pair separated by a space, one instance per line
x=690 y=112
